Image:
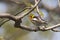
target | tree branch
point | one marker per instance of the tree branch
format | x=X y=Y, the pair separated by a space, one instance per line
x=11 y=17
x=23 y=15
x=53 y=27
x=18 y=20
x=43 y=29
x=15 y=15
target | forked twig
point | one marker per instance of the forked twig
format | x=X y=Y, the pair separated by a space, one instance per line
x=18 y=20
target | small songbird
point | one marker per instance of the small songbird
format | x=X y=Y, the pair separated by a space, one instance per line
x=36 y=20
x=39 y=19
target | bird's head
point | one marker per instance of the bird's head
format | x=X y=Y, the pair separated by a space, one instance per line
x=32 y=17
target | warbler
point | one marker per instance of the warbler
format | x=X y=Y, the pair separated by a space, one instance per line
x=39 y=19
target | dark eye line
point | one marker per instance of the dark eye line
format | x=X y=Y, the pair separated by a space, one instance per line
x=35 y=17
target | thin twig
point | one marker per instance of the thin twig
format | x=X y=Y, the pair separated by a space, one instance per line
x=15 y=15
x=38 y=12
x=55 y=30
x=23 y=10
x=23 y=15
x=11 y=17
x=53 y=27
x=39 y=29
x=4 y=22
x=29 y=29
x=18 y=21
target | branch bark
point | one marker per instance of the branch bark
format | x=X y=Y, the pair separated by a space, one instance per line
x=18 y=20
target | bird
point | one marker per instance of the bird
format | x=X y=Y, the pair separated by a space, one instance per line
x=39 y=19
x=36 y=20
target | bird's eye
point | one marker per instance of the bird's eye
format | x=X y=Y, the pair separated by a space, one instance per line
x=31 y=16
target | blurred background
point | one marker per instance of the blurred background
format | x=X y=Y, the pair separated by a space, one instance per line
x=50 y=9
